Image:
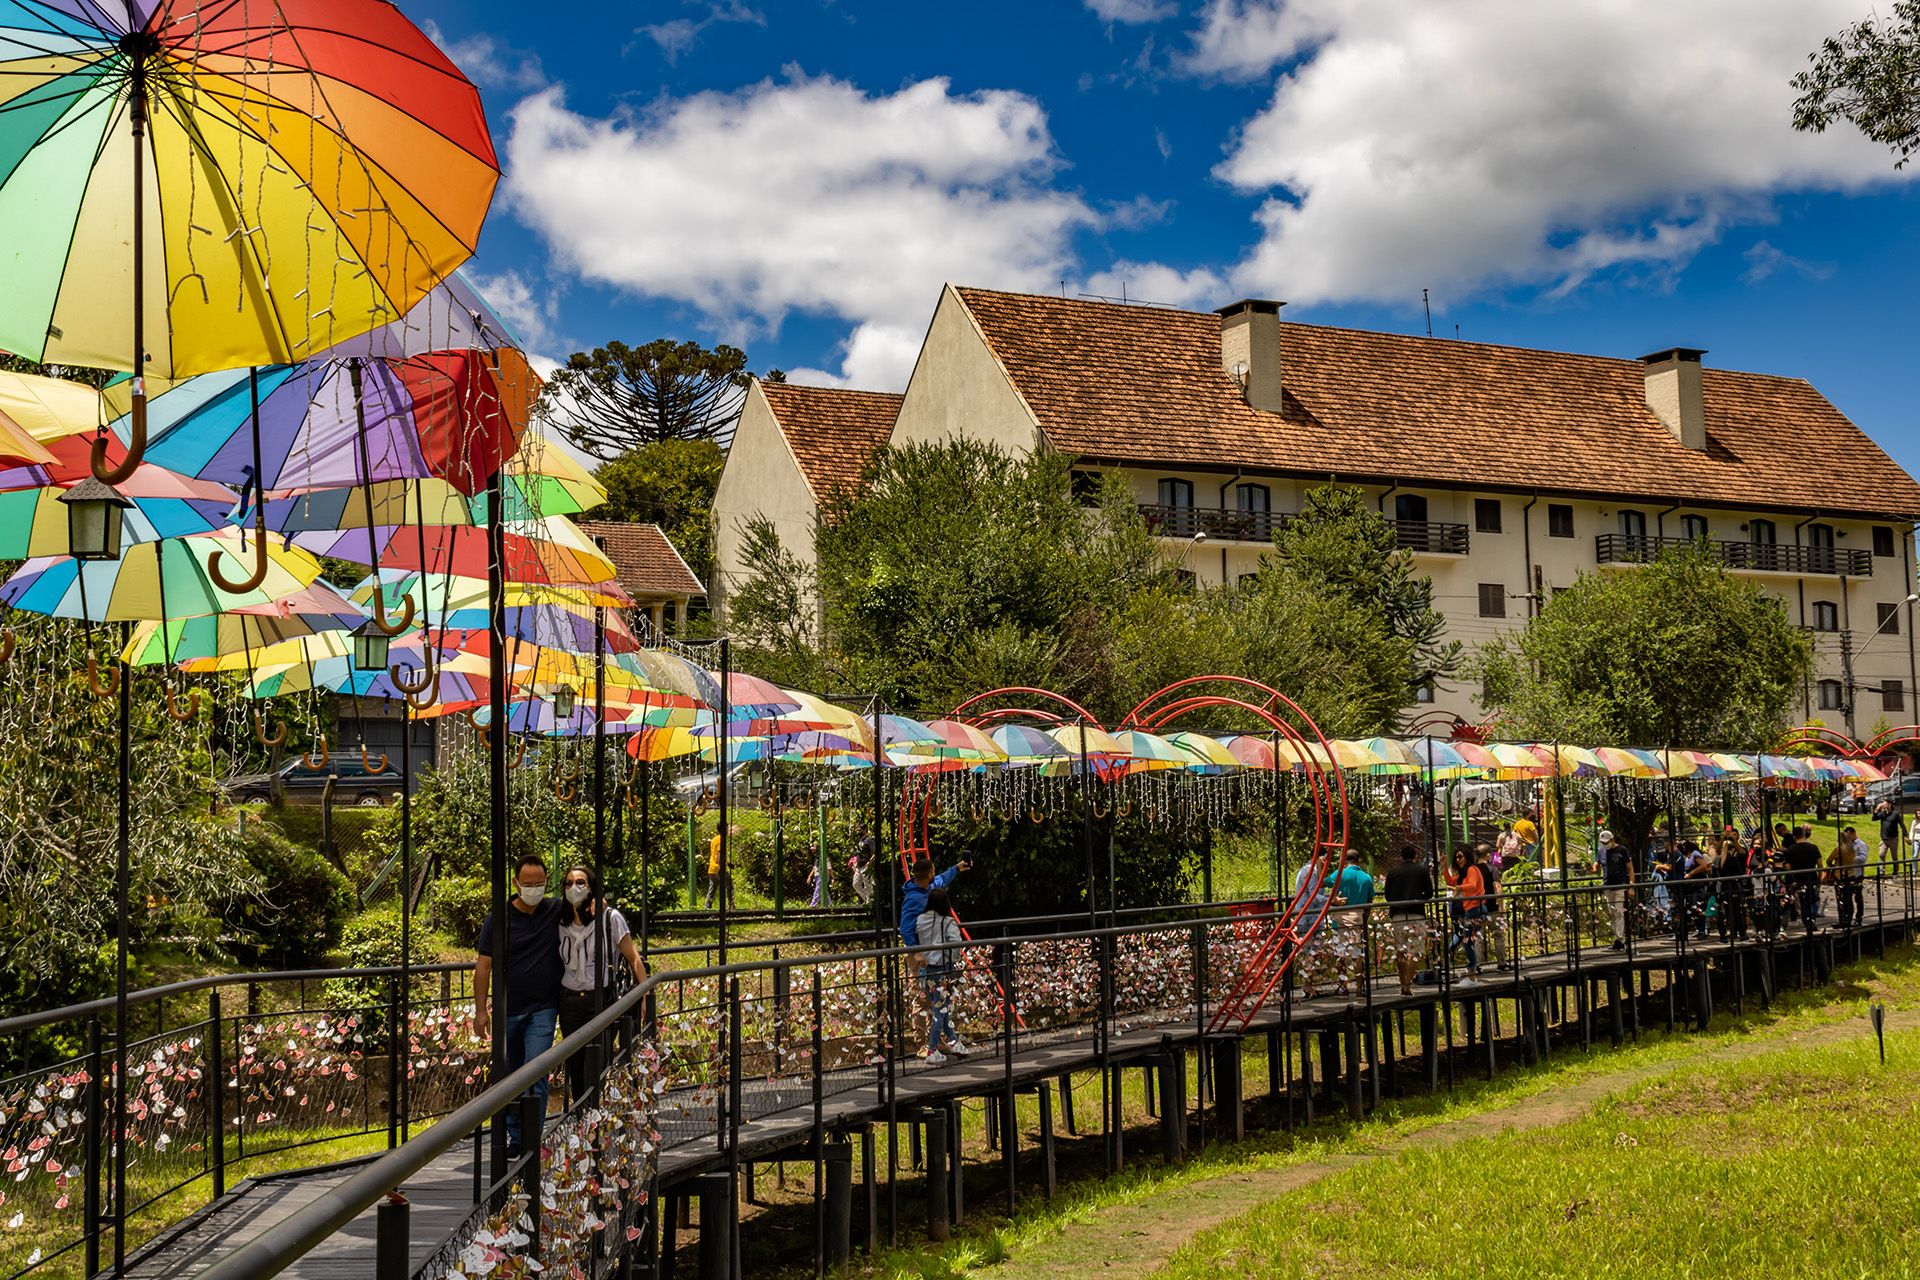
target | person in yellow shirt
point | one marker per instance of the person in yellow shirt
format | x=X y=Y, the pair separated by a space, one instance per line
x=1529 y=837
x=717 y=872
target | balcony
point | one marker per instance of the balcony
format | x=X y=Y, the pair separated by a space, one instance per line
x=1227 y=525
x=1747 y=557
x=1219 y=523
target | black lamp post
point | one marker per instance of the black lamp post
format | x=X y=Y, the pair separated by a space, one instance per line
x=370 y=645
x=96 y=517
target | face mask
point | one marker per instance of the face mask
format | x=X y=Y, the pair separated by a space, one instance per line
x=531 y=894
x=576 y=894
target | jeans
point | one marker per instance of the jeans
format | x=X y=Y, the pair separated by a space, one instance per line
x=1617 y=909
x=933 y=985
x=1466 y=923
x=1809 y=890
x=529 y=1035
x=1851 y=894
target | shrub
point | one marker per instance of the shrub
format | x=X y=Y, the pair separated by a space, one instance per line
x=456 y=905
x=299 y=909
x=372 y=940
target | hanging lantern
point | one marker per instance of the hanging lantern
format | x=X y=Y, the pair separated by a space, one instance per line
x=370 y=645
x=563 y=702
x=96 y=515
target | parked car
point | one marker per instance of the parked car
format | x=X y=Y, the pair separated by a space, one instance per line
x=353 y=782
x=1903 y=789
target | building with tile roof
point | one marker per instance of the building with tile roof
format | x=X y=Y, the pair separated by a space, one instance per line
x=1506 y=471
x=650 y=569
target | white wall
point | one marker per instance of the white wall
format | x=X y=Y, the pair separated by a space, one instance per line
x=959 y=388
x=761 y=478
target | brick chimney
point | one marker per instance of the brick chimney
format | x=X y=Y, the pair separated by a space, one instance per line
x=1250 y=350
x=1673 y=393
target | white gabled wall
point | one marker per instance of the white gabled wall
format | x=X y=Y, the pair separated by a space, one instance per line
x=959 y=388
x=761 y=478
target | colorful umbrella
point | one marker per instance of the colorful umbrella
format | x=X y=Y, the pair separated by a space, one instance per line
x=1149 y=751
x=167 y=579
x=1204 y=754
x=311 y=611
x=1025 y=745
x=552 y=551
x=1251 y=751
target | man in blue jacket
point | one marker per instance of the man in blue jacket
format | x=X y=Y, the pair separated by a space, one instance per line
x=913 y=895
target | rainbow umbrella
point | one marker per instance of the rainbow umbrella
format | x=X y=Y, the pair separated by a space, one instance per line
x=311 y=611
x=960 y=741
x=1204 y=754
x=552 y=551
x=1150 y=751
x=1250 y=751
x=1025 y=745
x=1100 y=743
x=166 y=579
x=1516 y=760
x=1621 y=763
x=1737 y=768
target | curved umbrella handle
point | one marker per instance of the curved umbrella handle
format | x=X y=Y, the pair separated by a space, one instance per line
x=424 y=699
x=279 y=737
x=367 y=760
x=407 y=685
x=173 y=707
x=306 y=757
x=254 y=578
x=7 y=643
x=473 y=719
x=136 y=450
x=563 y=789
x=380 y=614
x=519 y=755
x=107 y=690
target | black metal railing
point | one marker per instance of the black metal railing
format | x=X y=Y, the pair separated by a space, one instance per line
x=1434 y=536
x=1223 y=523
x=1757 y=557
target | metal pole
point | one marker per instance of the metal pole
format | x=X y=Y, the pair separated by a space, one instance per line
x=600 y=798
x=121 y=876
x=1086 y=830
x=726 y=864
x=497 y=788
x=404 y=1030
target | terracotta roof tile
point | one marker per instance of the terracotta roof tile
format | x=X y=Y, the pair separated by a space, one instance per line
x=647 y=562
x=1139 y=384
x=833 y=432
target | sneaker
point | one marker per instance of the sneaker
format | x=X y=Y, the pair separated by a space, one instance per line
x=1618 y=945
x=959 y=1049
x=935 y=1058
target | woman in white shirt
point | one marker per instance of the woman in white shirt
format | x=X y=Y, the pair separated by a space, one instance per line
x=586 y=925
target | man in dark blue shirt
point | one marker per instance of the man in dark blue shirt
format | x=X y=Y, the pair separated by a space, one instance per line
x=531 y=982
x=913 y=896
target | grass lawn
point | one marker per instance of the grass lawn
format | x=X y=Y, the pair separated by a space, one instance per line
x=1797 y=1162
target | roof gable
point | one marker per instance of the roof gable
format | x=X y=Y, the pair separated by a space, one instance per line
x=647 y=562
x=833 y=432
x=1136 y=384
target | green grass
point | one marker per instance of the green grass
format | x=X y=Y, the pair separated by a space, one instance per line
x=1089 y=1201
x=1798 y=1161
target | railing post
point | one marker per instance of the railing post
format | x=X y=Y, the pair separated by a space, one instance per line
x=392 y=1245
x=216 y=1095
x=533 y=1136
x=92 y=1103
x=396 y=1058
x=1010 y=1129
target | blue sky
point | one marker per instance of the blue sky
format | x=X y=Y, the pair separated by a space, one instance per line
x=798 y=178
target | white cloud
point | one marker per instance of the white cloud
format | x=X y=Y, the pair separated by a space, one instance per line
x=1506 y=142
x=676 y=36
x=487 y=62
x=802 y=195
x=1763 y=259
x=529 y=308
x=1132 y=12
x=1201 y=288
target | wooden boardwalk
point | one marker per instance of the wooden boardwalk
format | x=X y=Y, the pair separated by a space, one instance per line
x=442 y=1195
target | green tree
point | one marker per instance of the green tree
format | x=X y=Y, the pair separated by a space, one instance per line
x=1868 y=75
x=1680 y=653
x=616 y=398
x=1340 y=545
x=771 y=612
x=670 y=484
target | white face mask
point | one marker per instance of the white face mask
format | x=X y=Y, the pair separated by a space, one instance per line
x=531 y=894
x=576 y=894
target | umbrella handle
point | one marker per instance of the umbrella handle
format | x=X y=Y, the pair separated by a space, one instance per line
x=173 y=707
x=367 y=760
x=107 y=690
x=431 y=693
x=306 y=757
x=563 y=790
x=519 y=755
x=136 y=449
x=7 y=643
x=254 y=578
x=380 y=615
x=406 y=685
x=279 y=737
x=473 y=721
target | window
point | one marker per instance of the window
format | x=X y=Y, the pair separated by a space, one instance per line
x=1486 y=515
x=1176 y=493
x=1085 y=486
x=1254 y=498
x=1423 y=694
x=1888 y=619
x=1882 y=540
x=1559 y=520
x=1246 y=580
x=1826 y=615
x=1693 y=528
x=1493 y=600
x=1821 y=536
x=1763 y=532
x=1830 y=695
x=1410 y=507
x=1893 y=696
x=1820 y=548
x=1633 y=524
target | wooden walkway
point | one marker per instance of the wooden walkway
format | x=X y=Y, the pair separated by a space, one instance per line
x=443 y=1195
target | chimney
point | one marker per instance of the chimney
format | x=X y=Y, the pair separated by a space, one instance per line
x=1673 y=393
x=1250 y=350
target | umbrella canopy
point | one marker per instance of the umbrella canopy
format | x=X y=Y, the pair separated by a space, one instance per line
x=1025 y=745
x=1149 y=751
x=312 y=611
x=34 y=522
x=960 y=741
x=1204 y=754
x=167 y=579
x=552 y=551
x=1251 y=751
x=309 y=169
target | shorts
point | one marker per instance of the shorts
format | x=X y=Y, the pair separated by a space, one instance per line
x=1409 y=938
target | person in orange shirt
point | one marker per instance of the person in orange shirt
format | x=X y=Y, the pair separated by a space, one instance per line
x=1469 y=907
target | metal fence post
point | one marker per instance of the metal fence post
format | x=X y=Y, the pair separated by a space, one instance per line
x=216 y=1095
x=391 y=1239
x=93 y=1098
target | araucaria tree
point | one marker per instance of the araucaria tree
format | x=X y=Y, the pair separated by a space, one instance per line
x=617 y=398
x=1868 y=74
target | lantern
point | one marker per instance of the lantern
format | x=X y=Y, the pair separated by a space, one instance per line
x=370 y=646
x=563 y=702
x=96 y=517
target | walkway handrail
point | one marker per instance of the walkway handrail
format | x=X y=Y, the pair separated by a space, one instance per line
x=147 y=995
